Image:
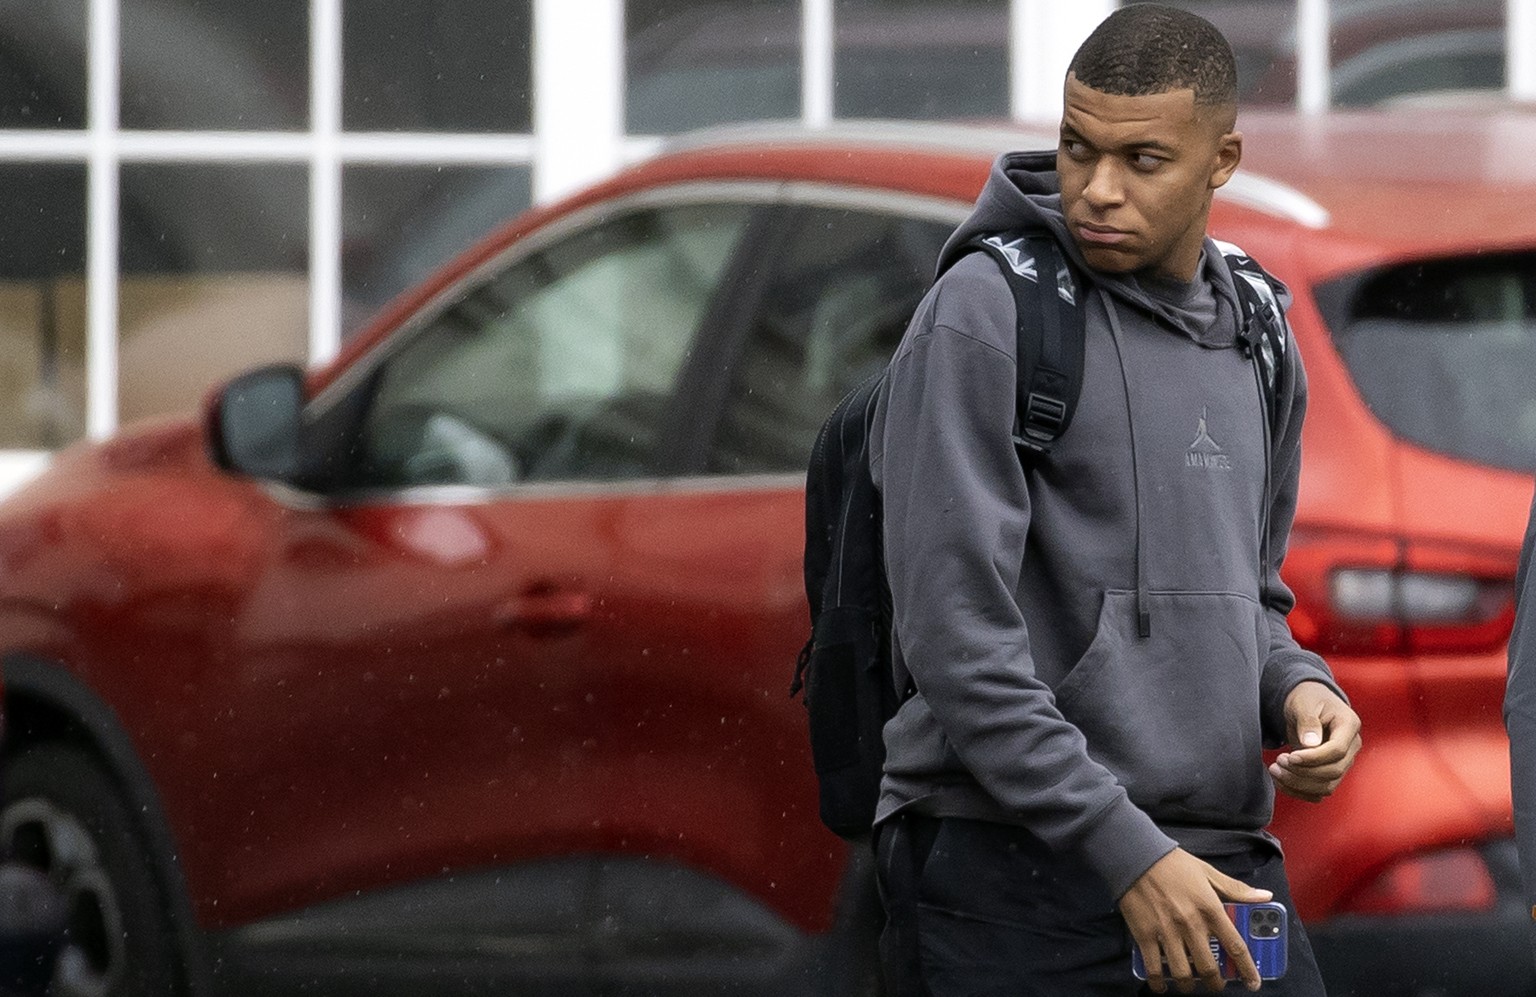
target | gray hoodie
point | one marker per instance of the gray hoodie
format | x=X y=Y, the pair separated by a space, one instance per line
x=1520 y=714
x=1022 y=594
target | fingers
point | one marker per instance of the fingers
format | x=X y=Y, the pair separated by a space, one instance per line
x=1226 y=932
x=1306 y=784
x=1236 y=890
x=1328 y=753
x=1231 y=941
x=1342 y=742
x=1302 y=789
x=1318 y=772
x=1175 y=933
x=1178 y=964
x=1203 y=959
x=1152 y=959
x=1174 y=910
x=1179 y=952
x=1319 y=724
x=1315 y=773
x=1308 y=732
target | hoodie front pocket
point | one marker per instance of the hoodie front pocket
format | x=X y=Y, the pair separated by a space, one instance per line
x=1175 y=716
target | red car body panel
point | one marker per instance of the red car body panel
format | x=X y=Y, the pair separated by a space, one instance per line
x=609 y=770
x=561 y=709
x=268 y=609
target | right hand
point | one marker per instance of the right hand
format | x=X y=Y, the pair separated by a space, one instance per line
x=1174 y=909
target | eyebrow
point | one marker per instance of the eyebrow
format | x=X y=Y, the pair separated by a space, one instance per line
x=1146 y=145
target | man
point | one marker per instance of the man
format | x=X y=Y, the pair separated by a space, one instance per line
x=1520 y=716
x=1096 y=637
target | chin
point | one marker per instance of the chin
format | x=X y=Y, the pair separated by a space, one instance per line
x=1113 y=261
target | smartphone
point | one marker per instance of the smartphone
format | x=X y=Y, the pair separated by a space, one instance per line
x=1263 y=927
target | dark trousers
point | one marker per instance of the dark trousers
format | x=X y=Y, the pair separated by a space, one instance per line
x=976 y=909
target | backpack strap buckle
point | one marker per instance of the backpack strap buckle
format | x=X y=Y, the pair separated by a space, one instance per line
x=1042 y=421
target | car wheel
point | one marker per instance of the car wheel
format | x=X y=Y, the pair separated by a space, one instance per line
x=63 y=813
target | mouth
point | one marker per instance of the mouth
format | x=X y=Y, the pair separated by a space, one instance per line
x=1100 y=235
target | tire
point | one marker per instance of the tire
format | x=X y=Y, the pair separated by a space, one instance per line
x=63 y=813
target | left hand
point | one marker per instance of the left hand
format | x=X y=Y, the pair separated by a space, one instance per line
x=1324 y=737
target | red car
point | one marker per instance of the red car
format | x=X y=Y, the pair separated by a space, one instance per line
x=462 y=663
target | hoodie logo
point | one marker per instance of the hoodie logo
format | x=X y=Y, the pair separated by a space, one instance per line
x=1206 y=452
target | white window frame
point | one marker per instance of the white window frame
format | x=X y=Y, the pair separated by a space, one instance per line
x=1043 y=36
x=1520 y=49
x=577 y=136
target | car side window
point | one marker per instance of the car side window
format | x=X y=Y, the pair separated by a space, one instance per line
x=559 y=368
x=836 y=305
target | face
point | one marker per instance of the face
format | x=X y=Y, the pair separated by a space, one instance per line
x=1137 y=175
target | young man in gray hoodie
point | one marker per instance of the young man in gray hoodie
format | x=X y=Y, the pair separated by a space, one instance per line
x=1520 y=716
x=1096 y=638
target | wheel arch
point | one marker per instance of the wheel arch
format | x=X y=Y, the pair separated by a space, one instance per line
x=44 y=702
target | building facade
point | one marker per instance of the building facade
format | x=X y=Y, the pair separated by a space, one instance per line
x=192 y=187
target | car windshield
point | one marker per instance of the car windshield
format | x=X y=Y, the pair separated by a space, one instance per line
x=1444 y=352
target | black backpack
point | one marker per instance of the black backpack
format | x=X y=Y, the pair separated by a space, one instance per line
x=845 y=667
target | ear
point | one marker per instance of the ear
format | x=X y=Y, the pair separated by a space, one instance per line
x=1229 y=153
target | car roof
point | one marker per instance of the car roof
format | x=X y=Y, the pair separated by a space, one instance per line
x=1376 y=187
x=1438 y=177
x=1413 y=181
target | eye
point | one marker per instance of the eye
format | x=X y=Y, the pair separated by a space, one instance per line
x=1146 y=162
x=1074 y=148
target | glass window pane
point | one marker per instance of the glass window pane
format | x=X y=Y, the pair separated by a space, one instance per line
x=1380 y=50
x=692 y=64
x=215 y=64
x=835 y=306
x=42 y=64
x=1262 y=34
x=403 y=222
x=214 y=279
x=1444 y=352
x=455 y=67
x=42 y=305
x=1448 y=62
x=921 y=59
x=562 y=367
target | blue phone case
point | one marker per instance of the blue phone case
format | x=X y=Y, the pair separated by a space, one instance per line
x=1263 y=927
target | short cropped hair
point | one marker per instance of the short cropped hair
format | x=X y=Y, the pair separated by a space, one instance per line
x=1149 y=48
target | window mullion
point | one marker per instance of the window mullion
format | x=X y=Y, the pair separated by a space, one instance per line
x=578 y=105
x=1314 y=84
x=1043 y=37
x=103 y=186
x=1520 y=49
x=325 y=180
x=817 y=67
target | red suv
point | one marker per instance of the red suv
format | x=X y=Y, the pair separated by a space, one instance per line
x=462 y=663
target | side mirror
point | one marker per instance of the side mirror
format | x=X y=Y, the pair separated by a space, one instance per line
x=254 y=423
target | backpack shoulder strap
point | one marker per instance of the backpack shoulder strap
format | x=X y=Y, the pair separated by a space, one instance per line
x=1049 y=331
x=1264 y=331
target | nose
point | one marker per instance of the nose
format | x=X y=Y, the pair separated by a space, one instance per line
x=1105 y=189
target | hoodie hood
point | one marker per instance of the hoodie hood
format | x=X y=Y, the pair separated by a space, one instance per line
x=1023 y=191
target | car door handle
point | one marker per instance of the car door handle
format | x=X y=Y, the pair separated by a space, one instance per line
x=546 y=610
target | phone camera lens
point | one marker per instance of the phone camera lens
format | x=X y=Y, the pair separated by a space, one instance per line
x=1264 y=923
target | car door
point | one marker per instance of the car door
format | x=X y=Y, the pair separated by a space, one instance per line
x=437 y=728
x=826 y=310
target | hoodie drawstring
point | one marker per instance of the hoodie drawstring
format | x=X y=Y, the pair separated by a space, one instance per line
x=1143 y=610
x=1264 y=406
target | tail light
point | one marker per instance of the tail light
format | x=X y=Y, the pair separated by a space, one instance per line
x=1456 y=879
x=1387 y=595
